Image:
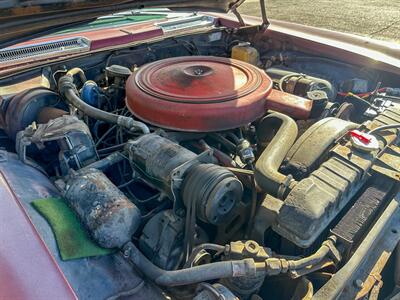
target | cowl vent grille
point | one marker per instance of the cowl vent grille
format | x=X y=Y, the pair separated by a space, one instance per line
x=47 y=49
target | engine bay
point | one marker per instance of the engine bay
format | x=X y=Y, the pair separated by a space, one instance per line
x=218 y=165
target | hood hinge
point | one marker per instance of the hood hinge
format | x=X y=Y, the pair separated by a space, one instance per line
x=265 y=23
x=236 y=13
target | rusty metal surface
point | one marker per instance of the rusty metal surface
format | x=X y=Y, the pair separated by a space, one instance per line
x=388 y=164
x=50 y=113
x=109 y=216
x=374 y=277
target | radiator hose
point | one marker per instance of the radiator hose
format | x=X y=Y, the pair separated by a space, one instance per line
x=211 y=271
x=245 y=267
x=266 y=174
x=68 y=90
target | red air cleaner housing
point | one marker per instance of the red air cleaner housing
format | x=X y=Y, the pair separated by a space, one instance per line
x=198 y=93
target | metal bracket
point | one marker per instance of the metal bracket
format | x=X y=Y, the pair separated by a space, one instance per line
x=177 y=177
x=22 y=141
x=388 y=164
x=265 y=21
x=236 y=13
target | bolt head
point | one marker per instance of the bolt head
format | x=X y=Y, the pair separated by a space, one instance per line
x=358 y=283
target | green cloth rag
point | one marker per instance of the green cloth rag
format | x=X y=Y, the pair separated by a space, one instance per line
x=72 y=240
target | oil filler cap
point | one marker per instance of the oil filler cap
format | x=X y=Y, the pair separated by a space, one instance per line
x=363 y=141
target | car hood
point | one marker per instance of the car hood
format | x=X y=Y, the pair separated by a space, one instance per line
x=22 y=20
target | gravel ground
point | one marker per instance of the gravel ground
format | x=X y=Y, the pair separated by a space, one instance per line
x=379 y=19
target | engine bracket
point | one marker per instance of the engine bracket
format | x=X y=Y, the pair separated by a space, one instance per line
x=177 y=178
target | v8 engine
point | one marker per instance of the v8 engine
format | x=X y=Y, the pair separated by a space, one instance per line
x=209 y=172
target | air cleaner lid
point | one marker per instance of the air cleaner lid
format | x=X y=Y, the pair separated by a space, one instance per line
x=198 y=93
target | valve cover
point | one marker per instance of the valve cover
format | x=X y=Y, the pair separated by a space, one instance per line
x=198 y=93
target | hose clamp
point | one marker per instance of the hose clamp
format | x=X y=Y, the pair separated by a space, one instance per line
x=284 y=186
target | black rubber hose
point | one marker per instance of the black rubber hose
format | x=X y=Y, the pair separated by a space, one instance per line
x=105 y=163
x=68 y=91
x=212 y=271
x=282 y=75
x=357 y=101
x=77 y=71
x=385 y=127
x=224 y=141
x=266 y=174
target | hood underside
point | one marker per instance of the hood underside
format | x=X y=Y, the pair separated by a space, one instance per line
x=21 y=20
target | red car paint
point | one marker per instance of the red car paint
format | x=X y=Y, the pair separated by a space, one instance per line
x=289 y=104
x=100 y=39
x=194 y=94
x=27 y=269
x=346 y=47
